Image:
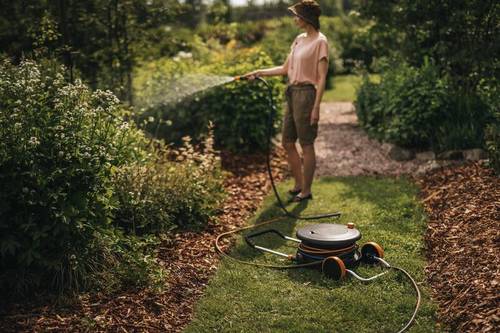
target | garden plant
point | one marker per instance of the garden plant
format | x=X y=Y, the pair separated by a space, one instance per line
x=127 y=145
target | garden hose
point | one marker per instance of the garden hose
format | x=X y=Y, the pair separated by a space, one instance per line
x=268 y=162
x=268 y=158
x=312 y=264
x=419 y=298
x=319 y=256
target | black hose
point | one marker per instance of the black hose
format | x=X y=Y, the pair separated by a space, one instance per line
x=268 y=162
x=309 y=264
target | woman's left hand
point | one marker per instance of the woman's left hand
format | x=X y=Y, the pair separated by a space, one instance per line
x=315 y=115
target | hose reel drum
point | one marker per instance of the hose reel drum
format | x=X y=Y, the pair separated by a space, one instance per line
x=329 y=247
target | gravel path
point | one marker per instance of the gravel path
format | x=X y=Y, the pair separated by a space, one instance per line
x=344 y=149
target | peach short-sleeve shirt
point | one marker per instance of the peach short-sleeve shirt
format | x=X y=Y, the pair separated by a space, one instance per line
x=304 y=58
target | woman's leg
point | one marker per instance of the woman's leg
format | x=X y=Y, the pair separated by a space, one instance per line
x=306 y=133
x=294 y=163
x=309 y=168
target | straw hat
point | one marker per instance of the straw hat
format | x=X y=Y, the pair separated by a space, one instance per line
x=308 y=10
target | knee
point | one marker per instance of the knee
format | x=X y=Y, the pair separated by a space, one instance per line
x=308 y=148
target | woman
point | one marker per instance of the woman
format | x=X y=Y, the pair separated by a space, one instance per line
x=306 y=67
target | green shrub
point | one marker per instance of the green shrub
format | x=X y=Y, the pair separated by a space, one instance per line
x=350 y=41
x=58 y=146
x=418 y=108
x=123 y=261
x=279 y=38
x=75 y=179
x=239 y=110
x=222 y=32
x=183 y=188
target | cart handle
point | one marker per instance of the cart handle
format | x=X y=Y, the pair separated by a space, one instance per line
x=248 y=238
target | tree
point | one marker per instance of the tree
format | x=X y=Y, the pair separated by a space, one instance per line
x=461 y=36
x=98 y=37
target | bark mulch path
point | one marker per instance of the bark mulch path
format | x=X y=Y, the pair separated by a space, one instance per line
x=344 y=149
x=463 y=245
x=190 y=261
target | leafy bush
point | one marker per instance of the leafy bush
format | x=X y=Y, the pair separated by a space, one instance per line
x=279 y=38
x=238 y=110
x=75 y=178
x=183 y=188
x=58 y=145
x=417 y=107
x=123 y=261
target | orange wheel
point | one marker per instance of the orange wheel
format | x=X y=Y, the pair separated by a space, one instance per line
x=371 y=250
x=334 y=268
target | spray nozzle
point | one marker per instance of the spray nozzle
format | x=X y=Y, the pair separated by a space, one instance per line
x=238 y=78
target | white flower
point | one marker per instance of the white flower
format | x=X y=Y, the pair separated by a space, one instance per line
x=34 y=141
x=184 y=55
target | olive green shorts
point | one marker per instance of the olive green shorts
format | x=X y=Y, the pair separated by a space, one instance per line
x=297 y=120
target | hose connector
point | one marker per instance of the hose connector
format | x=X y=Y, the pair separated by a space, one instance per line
x=239 y=78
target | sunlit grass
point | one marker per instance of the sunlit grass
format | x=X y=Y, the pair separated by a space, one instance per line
x=243 y=298
x=344 y=88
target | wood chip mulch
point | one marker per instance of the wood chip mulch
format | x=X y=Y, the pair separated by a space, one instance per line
x=190 y=260
x=463 y=245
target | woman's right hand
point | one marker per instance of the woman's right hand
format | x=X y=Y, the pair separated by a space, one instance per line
x=252 y=75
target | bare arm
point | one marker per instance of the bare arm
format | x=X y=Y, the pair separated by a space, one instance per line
x=278 y=70
x=320 y=89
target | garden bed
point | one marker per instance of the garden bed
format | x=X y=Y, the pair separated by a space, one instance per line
x=462 y=205
x=190 y=259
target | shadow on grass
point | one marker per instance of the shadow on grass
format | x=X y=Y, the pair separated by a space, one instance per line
x=286 y=226
x=392 y=201
x=392 y=212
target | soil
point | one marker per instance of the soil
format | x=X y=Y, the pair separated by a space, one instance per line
x=462 y=239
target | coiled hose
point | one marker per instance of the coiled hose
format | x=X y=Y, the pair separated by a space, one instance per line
x=309 y=264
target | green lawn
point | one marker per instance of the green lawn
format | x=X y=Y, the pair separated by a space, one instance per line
x=344 y=88
x=243 y=298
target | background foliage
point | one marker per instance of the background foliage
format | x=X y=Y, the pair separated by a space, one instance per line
x=102 y=39
x=460 y=40
x=415 y=107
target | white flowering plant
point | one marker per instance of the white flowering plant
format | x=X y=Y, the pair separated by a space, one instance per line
x=59 y=146
x=84 y=192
